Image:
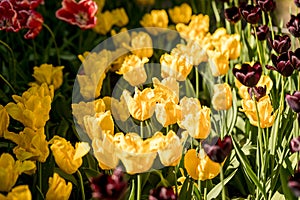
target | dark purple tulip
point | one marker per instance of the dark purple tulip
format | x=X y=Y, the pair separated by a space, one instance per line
x=262 y=32
x=294 y=101
x=294 y=25
x=280 y=44
x=282 y=65
x=294 y=184
x=247 y=75
x=297 y=3
x=259 y=92
x=267 y=5
x=232 y=14
x=106 y=187
x=295 y=58
x=162 y=193
x=295 y=145
x=220 y=150
x=250 y=13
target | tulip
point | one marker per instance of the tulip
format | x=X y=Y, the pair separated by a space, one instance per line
x=258 y=92
x=27 y=5
x=222 y=98
x=18 y=192
x=282 y=65
x=68 y=158
x=200 y=166
x=247 y=75
x=4 y=120
x=232 y=14
x=106 y=187
x=294 y=101
x=104 y=25
x=157 y=18
x=262 y=32
x=120 y=17
x=294 y=25
x=58 y=189
x=180 y=14
x=294 y=184
x=280 y=44
x=8 y=17
x=295 y=58
x=267 y=5
x=251 y=14
x=297 y=3
x=295 y=145
x=219 y=151
x=219 y=62
x=82 y=13
x=162 y=193
x=141 y=44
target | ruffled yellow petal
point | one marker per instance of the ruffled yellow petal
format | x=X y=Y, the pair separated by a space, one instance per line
x=4 y=123
x=58 y=188
x=181 y=14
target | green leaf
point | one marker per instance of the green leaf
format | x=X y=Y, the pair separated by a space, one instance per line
x=247 y=167
x=284 y=174
x=90 y=172
x=184 y=189
x=132 y=192
x=214 y=193
x=232 y=113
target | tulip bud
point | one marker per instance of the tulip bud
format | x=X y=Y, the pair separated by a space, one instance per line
x=232 y=14
x=219 y=151
x=282 y=65
x=281 y=44
x=250 y=13
x=162 y=193
x=295 y=145
x=294 y=184
x=294 y=25
x=247 y=75
x=267 y=5
x=262 y=32
x=259 y=92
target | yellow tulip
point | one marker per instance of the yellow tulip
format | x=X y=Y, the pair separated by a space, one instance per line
x=195 y=119
x=31 y=144
x=4 y=123
x=167 y=113
x=196 y=29
x=157 y=18
x=199 y=166
x=181 y=14
x=120 y=17
x=100 y=4
x=266 y=114
x=104 y=25
x=193 y=51
x=104 y=151
x=11 y=169
x=118 y=109
x=167 y=90
x=263 y=81
x=58 y=188
x=232 y=45
x=133 y=70
x=17 y=193
x=123 y=38
x=46 y=73
x=82 y=109
x=33 y=107
x=175 y=66
x=219 y=62
x=135 y=154
x=222 y=98
x=68 y=158
x=142 y=105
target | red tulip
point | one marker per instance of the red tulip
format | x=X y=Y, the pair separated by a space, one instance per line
x=8 y=17
x=82 y=14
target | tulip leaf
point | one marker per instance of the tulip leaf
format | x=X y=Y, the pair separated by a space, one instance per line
x=218 y=188
x=232 y=113
x=184 y=189
x=89 y=172
x=132 y=192
x=247 y=167
x=284 y=174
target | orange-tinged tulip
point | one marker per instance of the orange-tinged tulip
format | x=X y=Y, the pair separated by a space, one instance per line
x=68 y=158
x=222 y=98
x=4 y=120
x=265 y=109
x=58 y=188
x=199 y=166
x=181 y=14
x=195 y=119
x=18 y=192
x=46 y=73
x=11 y=169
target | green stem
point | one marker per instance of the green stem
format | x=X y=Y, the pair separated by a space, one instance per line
x=216 y=12
x=271 y=26
x=257 y=47
x=9 y=85
x=222 y=182
x=139 y=185
x=81 y=185
x=40 y=176
x=54 y=41
x=197 y=82
x=13 y=61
